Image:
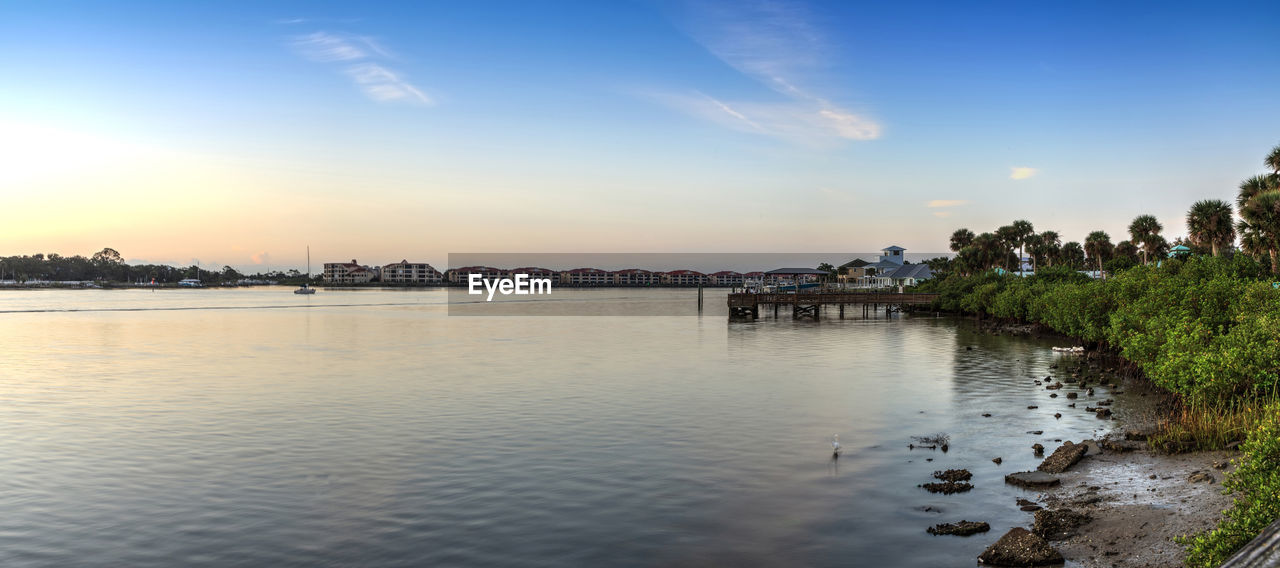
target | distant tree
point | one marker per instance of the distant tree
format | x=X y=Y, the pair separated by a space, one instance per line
x=1099 y=248
x=1009 y=237
x=1022 y=230
x=828 y=268
x=1209 y=223
x=1049 y=247
x=960 y=239
x=1145 y=232
x=1127 y=250
x=1072 y=255
x=107 y=256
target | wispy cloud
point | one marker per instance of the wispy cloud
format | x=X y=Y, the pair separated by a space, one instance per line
x=942 y=214
x=946 y=203
x=357 y=52
x=260 y=258
x=774 y=43
x=1016 y=172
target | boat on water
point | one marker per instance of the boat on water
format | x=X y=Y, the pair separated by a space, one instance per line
x=305 y=289
x=191 y=283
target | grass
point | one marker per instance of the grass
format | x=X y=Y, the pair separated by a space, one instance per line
x=1196 y=427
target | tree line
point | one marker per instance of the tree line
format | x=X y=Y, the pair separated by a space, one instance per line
x=1211 y=229
x=107 y=265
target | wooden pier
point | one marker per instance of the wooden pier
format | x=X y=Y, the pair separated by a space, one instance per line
x=746 y=306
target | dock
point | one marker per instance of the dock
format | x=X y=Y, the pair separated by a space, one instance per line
x=746 y=305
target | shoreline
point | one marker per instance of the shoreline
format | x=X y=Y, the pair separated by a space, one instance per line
x=1137 y=499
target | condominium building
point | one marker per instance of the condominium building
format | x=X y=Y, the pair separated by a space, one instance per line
x=586 y=277
x=405 y=272
x=725 y=278
x=347 y=273
x=683 y=278
x=637 y=277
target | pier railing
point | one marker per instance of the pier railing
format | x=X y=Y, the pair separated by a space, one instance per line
x=1261 y=552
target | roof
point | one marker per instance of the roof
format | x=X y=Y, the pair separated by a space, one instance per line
x=727 y=273
x=855 y=263
x=685 y=273
x=884 y=265
x=794 y=271
x=917 y=271
x=893 y=247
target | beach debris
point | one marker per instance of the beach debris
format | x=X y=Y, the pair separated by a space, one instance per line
x=962 y=528
x=997 y=461
x=1032 y=479
x=1020 y=547
x=1058 y=524
x=1077 y=349
x=1067 y=455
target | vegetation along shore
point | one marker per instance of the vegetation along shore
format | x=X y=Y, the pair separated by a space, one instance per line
x=1203 y=325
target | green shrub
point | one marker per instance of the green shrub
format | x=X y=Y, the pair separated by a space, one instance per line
x=1256 y=483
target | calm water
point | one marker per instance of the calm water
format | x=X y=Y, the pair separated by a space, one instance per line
x=139 y=428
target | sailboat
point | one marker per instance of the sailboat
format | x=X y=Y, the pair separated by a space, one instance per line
x=305 y=289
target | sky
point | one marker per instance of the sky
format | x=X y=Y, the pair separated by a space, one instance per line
x=241 y=133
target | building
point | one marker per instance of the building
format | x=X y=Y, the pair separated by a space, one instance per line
x=908 y=275
x=461 y=276
x=534 y=272
x=405 y=272
x=636 y=277
x=725 y=278
x=684 y=278
x=347 y=273
x=585 y=277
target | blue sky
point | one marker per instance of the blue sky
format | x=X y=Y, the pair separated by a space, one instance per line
x=239 y=133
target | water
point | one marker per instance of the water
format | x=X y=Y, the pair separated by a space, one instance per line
x=257 y=427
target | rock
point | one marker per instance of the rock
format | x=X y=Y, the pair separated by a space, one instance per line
x=1057 y=415
x=1064 y=457
x=953 y=475
x=1020 y=547
x=1032 y=479
x=986 y=415
x=1090 y=392
x=1104 y=413
x=1200 y=477
x=1024 y=502
x=1054 y=395
x=1032 y=407
x=1058 y=524
x=1072 y=405
x=1030 y=508
x=947 y=487
x=1038 y=448
x=1035 y=432
x=1221 y=464
x=962 y=528
x=1120 y=446
x=1073 y=395
x=997 y=461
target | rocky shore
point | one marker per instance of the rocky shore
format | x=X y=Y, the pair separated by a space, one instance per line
x=1108 y=502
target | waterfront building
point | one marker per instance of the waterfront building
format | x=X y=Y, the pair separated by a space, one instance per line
x=586 y=277
x=725 y=278
x=534 y=272
x=405 y=272
x=347 y=273
x=460 y=276
x=636 y=277
x=683 y=278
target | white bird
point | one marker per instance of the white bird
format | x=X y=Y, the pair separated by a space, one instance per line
x=835 y=445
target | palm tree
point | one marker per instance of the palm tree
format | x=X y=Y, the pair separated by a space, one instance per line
x=1262 y=213
x=1145 y=231
x=1254 y=186
x=1251 y=240
x=1273 y=160
x=1072 y=255
x=1010 y=236
x=960 y=239
x=1022 y=230
x=1209 y=223
x=1050 y=246
x=1035 y=244
x=1098 y=246
x=1126 y=249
